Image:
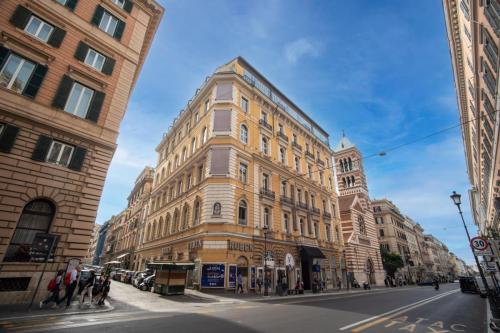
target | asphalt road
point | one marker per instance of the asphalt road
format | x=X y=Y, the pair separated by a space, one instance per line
x=418 y=309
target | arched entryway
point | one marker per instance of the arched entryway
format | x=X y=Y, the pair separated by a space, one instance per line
x=370 y=271
x=242 y=269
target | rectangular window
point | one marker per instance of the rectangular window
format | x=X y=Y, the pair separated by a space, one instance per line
x=108 y=23
x=467 y=33
x=224 y=91
x=119 y=3
x=243 y=172
x=16 y=73
x=222 y=121
x=263 y=117
x=265 y=181
x=207 y=105
x=220 y=161
x=62 y=2
x=79 y=100
x=328 y=233
x=60 y=153
x=244 y=104
x=196 y=117
x=39 y=29
x=95 y=59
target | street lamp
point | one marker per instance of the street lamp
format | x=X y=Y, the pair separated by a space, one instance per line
x=266 y=292
x=456 y=200
x=346 y=272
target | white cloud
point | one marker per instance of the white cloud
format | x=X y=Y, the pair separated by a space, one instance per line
x=124 y=158
x=300 y=48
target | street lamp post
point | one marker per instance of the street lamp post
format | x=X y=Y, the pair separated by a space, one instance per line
x=266 y=292
x=346 y=272
x=456 y=200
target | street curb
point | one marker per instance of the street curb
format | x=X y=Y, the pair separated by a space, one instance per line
x=59 y=314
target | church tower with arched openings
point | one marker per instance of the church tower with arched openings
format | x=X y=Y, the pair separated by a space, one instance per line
x=361 y=259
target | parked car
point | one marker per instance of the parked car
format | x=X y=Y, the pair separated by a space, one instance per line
x=128 y=276
x=147 y=283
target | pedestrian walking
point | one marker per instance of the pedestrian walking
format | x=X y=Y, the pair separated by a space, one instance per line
x=54 y=287
x=70 y=280
x=259 y=284
x=240 y=284
x=339 y=284
x=87 y=288
x=106 y=286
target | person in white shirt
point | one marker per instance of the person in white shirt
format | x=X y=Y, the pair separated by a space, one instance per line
x=70 y=280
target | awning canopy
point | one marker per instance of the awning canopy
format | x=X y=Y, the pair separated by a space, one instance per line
x=311 y=252
x=122 y=255
x=114 y=262
x=172 y=265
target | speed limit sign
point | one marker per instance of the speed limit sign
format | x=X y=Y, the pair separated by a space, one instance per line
x=479 y=243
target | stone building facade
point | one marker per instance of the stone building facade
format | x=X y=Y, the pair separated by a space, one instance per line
x=94 y=237
x=243 y=172
x=362 y=251
x=67 y=69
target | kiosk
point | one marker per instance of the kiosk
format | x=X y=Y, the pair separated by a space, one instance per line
x=170 y=277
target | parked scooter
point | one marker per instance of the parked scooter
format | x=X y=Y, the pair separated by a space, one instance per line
x=436 y=285
x=366 y=286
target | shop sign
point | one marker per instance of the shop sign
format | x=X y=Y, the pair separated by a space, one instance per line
x=213 y=275
x=237 y=246
x=166 y=250
x=196 y=244
x=231 y=281
x=316 y=268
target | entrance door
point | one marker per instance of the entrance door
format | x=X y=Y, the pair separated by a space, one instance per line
x=306 y=272
x=242 y=268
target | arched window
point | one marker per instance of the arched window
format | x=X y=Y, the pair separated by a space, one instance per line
x=167 y=225
x=302 y=227
x=362 y=225
x=175 y=225
x=169 y=168
x=242 y=213
x=162 y=174
x=352 y=180
x=193 y=146
x=297 y=164
x=185 y=217
x=204 y=135
x=160 y=227
x=153 y=232
x=244 y=133
x=184 y=154
x=342 y=166
x=36 y=218
x=286 y=223
x=196 y=212
x=265 y=145
x=350 y=164
x=176 y=161
x=148 y=234
x=283 y=155
x=266 y=217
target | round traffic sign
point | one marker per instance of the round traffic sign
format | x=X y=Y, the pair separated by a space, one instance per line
x=479 y=243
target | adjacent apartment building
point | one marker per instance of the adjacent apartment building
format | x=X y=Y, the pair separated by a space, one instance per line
x=67 y=69
x=473 y=35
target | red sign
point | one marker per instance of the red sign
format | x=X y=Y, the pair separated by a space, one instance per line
x=479 y=243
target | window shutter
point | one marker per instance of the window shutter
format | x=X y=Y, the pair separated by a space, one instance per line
x=71 y=4
x=108 y=66
x=62 y=93
x=96 y=19
x=224 y=91
x=222 y=121
x=56 y=37
x=42 y=148
x=7 y=138
x=4 y=53
x=127 y=6
x=20 y=17
x=35 y=81
x=119 y=30
x=95 y=106
x=81 y=51
x=219 y=164
x=77 y=159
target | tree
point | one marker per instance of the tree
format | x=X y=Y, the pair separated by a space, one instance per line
x=391 y=261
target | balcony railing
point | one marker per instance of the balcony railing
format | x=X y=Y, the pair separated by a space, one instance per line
x=320 y=162
x=309 y=154
x=282 y=135
x=327 y=215
x=287 y=200
x=315 y=210
x=489 y=50
x=264 y=123
x=491 y=13
x=301 y=205
x=297 y=146
x=490 y=82
x=267 y=193
x=302 y=240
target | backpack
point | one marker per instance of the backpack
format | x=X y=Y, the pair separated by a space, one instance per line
x=52 y=284
x=67 y=279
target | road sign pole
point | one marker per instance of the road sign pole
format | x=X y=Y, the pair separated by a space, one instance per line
x=43 y=272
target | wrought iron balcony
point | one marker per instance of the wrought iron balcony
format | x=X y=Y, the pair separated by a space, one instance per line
x=287 y=200
x=265 y=192
x=309 y=154
x=491 y=12
x=327 y=215
x=296 y=145
x=282 y=135
x=301 y=205
x=491 y=54
x=315 y=210
x=264 y=123
x=490 y=82
x=320 y=162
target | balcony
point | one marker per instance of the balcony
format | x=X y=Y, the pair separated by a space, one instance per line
x=264 y=123
x=302 y=240
x=265 y=192
x=315 y=210
x=491 y=13
x=327 y=215
x=287 y=200
x=320 y=162
x=296 y=146
x=309 y=154
x=301 y=205
x=282 y=135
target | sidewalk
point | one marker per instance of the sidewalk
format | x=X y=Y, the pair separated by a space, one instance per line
x=18 y=311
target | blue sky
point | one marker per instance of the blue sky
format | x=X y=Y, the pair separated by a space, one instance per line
x=376 y=69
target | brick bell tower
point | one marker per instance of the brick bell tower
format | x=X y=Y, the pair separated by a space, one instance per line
x=362 y=252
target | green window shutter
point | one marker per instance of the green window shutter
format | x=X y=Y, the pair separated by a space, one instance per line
x=8 y=138
x=96 y=19
x=56 y=37
x=35 y=81
x=62 y=93
x=108 y=66
x=77 y=158
x=71 y=4
x=127 y=6
x=95 y=106
x=20 y=17
x=41 y=148
x=81 y=51
x=4 y=54
x=120 y=27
